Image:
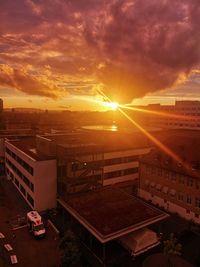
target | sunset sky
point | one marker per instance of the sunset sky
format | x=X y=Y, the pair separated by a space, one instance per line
x=57 y=54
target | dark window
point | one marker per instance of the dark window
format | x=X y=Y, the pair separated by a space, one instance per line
x=30 y=199
x=20 y=174
x=25 y=165
x=16 y=182
x=22 y=189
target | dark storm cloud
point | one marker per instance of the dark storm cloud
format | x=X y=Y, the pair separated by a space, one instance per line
x=131 y=47
x=148 y=45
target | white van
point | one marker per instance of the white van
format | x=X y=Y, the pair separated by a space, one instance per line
x=35 y=224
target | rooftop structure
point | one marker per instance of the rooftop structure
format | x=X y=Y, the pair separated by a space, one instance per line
x=110 y=213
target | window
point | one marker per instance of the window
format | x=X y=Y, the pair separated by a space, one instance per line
x=197 y=185
x=30 y=199
x=22 y=189
x=16 y=182
x=173 y=177
x=189 y=181
x=25 y=165
x=167 y=175
x=181 y=179
x=20 y=174
x=130 y=171
x=180 y=197
x=159 y=172
x=197 y=202
x=112 y=174
x=189 y=199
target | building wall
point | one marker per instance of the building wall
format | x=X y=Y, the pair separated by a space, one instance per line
x=98 y=168
x=36 y=181
x=2 y=148
x=45 y=184
x=189 y=111
x=125 y=171
x=185 y=199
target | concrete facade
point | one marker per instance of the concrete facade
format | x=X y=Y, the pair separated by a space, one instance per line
x=34 y=179
x=176 y=192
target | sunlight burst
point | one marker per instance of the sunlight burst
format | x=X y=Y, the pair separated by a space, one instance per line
x=111 y=105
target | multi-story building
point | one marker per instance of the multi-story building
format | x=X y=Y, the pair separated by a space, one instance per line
x=91 y=159
x=172 y=185
x=182 y=115
x=10 y=134
x=70 y=163
x=33 y=174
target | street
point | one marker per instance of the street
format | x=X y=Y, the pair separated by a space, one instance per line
x=29 y=251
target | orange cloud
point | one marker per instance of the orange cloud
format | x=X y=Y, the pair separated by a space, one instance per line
x=129 y=47
x=27 y=83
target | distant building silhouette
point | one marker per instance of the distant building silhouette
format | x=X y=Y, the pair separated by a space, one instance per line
x=1 y=105
x=183 y=115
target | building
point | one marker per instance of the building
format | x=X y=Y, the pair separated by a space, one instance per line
x=172 y=185
x=70 y=163
x=87 y=160
x=102 y=217
x=33 y=174
x=10 y=134
x=182 y=115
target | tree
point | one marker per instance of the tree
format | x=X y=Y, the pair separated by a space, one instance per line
x=70 y=250
x=171 y=248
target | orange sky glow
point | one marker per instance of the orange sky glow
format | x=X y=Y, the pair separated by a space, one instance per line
x=58 y=54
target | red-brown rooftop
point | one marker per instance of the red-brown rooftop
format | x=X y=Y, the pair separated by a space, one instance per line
x=110 y=213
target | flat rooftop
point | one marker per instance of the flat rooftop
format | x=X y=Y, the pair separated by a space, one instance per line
x=106 y=141
x=111 y=213
x=28 y=146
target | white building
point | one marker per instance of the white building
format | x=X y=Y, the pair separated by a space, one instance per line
x=33 y=174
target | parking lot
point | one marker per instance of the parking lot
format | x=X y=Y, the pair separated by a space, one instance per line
x=29 y=251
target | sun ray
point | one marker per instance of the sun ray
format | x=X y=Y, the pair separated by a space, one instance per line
x=160 y=113
x=160 y=145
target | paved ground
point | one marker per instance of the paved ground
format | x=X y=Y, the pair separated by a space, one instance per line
x=30 y=252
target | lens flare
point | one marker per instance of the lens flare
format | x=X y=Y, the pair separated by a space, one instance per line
x=160 y=145
x=111 y=105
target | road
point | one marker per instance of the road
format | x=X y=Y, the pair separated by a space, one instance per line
x=30 y=252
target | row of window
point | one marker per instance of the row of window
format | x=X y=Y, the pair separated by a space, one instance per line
x=180 y=196
x=172 y=176
x=120 y=173
x=20 y=174
x=25 y=165
x=189 y=199
x=187 y=210
x=22 y=189
x=100 y=163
